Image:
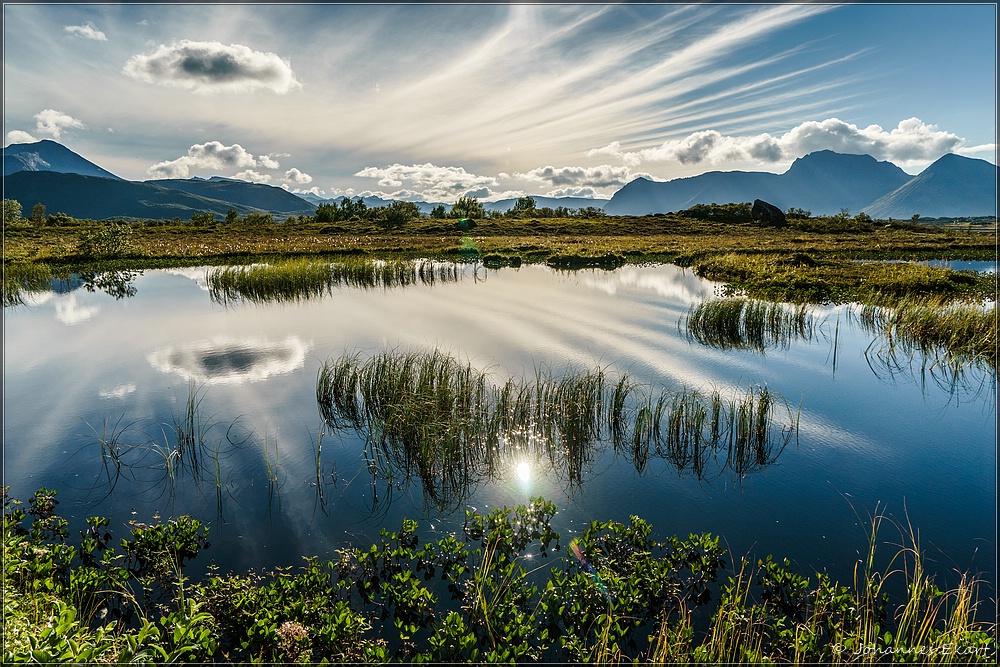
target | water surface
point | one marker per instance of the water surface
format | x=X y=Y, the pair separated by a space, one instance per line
x=875 y=435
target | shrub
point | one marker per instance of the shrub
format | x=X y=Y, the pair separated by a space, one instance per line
x=731 y=213
x=110 y=239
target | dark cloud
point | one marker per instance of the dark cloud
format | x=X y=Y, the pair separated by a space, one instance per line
x=602 y=176
x=213 y=67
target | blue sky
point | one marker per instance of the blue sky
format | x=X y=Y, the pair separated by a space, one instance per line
x=434 y=102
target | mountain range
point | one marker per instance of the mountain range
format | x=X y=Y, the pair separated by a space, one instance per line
x=823 y=182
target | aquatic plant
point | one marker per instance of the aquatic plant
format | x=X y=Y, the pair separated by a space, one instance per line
x=951 y=332
x=740 y=323
x=307 y=278
x=857 y=623
x=430 y=416
x=23 y=278
x=497 y=590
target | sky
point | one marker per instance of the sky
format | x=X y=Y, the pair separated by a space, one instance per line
x=433 y=102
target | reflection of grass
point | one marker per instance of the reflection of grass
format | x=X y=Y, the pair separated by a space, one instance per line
x=430 y=416
x=741 y=323
x=20 y=278
x=951 y=331
x=304 y=278
x=185 y=450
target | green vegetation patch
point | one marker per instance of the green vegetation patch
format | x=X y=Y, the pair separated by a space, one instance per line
x=801 y=277
x=505 y=588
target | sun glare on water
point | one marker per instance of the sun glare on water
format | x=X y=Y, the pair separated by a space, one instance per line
x=523 y=471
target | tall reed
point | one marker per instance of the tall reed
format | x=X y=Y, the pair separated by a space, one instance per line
x=23 y=278
x=833 y=623
x=950 y=332
x=748 y=324
x=302 y=279
x=431 y=416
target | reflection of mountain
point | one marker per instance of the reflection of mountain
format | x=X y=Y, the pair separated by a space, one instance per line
x=230 y=361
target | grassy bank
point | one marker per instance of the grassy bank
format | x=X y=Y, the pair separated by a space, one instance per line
x=812 y=255
x=504 y=588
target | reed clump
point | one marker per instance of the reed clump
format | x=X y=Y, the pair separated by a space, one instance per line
x=748 y=324
x=954 y=332
x=22 y=278
x=859 y=623
x=431 y=416
x=304 y=278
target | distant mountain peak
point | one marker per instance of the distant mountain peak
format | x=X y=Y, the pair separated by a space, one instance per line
x=823 y=182
x=952 y=186
x=48 y=155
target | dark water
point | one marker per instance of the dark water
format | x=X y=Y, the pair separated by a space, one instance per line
x=876 y=434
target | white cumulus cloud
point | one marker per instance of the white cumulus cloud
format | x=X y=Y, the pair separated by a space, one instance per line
x=209 y=67
x=212 y=155
x=431 y=182
x=587 y=192
x=87 y=31
x=297 y=177
x=20 y=137
x=252 y=176
x=268 y=162
x=53 y=123
x=912 y=141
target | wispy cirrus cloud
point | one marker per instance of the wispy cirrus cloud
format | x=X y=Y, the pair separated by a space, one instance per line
x=87 y=31
x=213 y=67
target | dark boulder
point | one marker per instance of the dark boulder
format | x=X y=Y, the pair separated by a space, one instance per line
x=769 y=214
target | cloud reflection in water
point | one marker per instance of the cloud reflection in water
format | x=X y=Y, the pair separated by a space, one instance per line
x=231 y=361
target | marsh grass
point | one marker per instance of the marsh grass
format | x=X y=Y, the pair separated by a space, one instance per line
x=949 y=332
x=833 y=623
x=192 y=428
x=306 y=278
x=113 y=446
x=23 y=278
x=431 y=416
x=800 y=278
x=748 y=324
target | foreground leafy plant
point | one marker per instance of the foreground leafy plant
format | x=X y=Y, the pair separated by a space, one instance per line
x=479 y=595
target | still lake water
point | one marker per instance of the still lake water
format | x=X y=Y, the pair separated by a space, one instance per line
x=903 y=443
